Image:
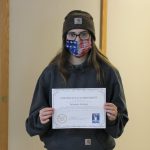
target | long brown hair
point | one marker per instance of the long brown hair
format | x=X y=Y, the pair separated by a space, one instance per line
x=94 y=59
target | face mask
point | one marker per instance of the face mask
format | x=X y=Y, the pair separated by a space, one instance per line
x=78 y=48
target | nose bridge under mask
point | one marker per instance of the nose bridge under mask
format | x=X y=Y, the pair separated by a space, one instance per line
x=77 y=38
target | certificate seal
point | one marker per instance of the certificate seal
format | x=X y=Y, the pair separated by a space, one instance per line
x=61 y=118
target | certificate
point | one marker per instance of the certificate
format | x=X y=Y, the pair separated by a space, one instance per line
x=79 y=108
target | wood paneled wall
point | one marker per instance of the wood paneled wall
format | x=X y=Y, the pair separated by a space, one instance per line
x=4 y=74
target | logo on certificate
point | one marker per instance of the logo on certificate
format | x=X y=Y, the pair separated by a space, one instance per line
x=95 y=118
x=61 y=118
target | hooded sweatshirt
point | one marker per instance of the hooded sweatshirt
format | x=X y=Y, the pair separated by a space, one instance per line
x=80 y=76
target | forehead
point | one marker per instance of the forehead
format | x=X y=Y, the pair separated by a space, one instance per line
x=77 y=30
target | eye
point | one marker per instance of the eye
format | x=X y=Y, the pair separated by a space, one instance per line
x=84 y=34
x=72 y=34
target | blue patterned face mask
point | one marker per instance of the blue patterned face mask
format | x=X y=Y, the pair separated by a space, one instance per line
x=78 y=48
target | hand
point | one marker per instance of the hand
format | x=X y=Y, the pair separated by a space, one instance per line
x=111 y=111
x=45 y=114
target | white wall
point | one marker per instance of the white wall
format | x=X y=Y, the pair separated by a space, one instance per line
x=128 y=48
x=35 y=37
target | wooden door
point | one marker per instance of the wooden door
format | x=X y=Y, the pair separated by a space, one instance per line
x=4 y=60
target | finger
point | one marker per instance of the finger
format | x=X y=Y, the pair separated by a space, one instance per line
x=46 y=113
x=47 y=109
x=113 y=112
x=111 y=117
x=110 y=106
x=110 y=109
x=41 y=114
x=45 y=121
x=45 y=117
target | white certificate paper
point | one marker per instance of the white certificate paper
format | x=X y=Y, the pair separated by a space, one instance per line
x=78 y=108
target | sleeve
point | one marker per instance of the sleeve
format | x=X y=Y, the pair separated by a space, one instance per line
x=115 y=128
x=39 y=101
